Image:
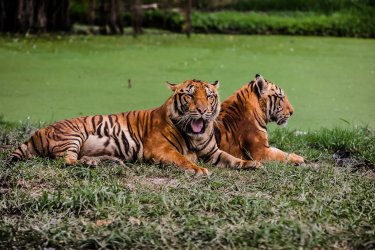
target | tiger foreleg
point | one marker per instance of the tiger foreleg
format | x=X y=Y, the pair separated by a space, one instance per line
x=177 y=159
x=295 y=159
x=224 y=159
x=275 y=154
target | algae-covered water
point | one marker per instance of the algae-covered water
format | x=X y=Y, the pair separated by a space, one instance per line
x=330 y=81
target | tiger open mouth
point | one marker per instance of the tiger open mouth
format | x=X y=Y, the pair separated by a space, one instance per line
x=197 y=126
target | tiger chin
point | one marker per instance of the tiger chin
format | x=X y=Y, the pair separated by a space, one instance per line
x=241 y=128
x=178 y=133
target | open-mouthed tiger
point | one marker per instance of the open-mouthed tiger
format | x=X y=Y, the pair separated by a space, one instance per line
x=241 y=128
x=179 y=132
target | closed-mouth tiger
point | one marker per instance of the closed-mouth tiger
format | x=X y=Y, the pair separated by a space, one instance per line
x=241 y=128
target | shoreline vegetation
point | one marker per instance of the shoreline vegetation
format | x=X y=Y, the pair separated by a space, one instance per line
x=338 y=24
x=339 y=18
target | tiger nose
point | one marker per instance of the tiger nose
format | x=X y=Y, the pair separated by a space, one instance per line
x=291 y=110
x=202 y=110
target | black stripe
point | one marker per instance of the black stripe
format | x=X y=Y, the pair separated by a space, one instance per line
x=186 y=139
x=225 y=124
x=239 y=98
x=110 y=120
x=207 y=157
x=100 y=119
x=106 y=131
x=125 y=141
x=145 y=122
x=136 y=150
x=93 y=123
x=69 y=124
x=270 y=106
x=218 y=159
x=260 y=120
x=170 y=142
x=22 y=153
x=179 y=143
x=34 y=146
x=86 y=133
x=217 y=136
x=41 y=141
x=117 y=141
x=208 y=141
x=235 y=111
x=138 y=124
x=73 y=150
x=98 y=130
x=16 y=154
x=75 y=124
x=68 y=137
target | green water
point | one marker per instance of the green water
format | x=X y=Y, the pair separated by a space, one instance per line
x=330 y=81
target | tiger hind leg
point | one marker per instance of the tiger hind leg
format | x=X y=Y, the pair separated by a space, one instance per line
x=71 y=157
x=69 y=153
x=95 y=160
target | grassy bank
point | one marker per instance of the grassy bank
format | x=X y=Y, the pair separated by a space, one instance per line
x=327 y=204
x=351 y=24
x=329 y=81
x=324 y=6
x=347 y=23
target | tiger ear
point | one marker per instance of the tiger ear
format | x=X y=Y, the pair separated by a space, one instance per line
x=172 y=86
x=216 y=84
x=260 y=84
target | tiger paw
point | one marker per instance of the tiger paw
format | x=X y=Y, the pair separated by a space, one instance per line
x=296 y=159
x=90 y=161
x=198 y=171
x=252 y=165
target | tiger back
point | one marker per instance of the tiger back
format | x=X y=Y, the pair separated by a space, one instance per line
x=178 y=132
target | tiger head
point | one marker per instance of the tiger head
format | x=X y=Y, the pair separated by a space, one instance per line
x=195 y=105
x=273 y=101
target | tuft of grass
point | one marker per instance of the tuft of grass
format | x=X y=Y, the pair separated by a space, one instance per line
x=356 y=142
x=321 y=205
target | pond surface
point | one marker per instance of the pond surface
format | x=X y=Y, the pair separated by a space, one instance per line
x=330 y=81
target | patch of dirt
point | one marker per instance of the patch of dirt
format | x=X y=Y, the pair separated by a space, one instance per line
x=347 y=158
x=35 y=189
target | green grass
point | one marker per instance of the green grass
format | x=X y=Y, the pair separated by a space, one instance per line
x=330 y=81
x=326 y=204
x=301 y=5
x=343 y=23
x=351 y=24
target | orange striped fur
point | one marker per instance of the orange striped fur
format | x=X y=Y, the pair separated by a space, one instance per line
x=179 y=132
x=241 y=128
